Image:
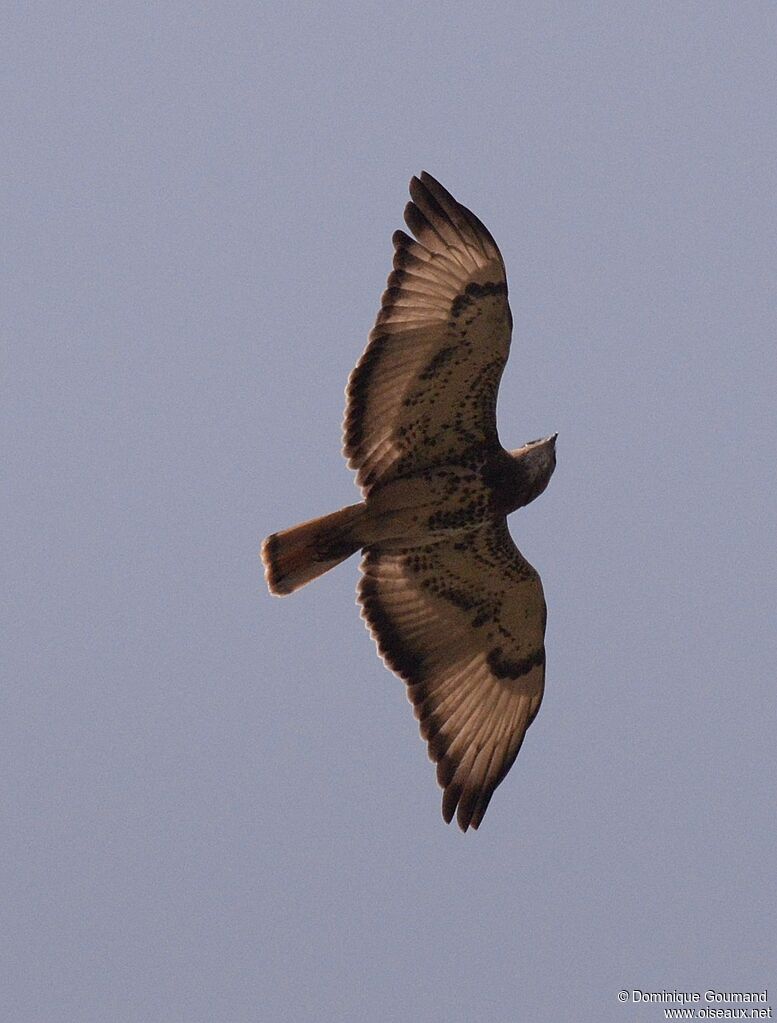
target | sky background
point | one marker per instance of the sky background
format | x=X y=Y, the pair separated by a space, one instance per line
x=215 y=804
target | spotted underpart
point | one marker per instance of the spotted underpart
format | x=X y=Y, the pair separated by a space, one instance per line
x=454 y=607
x=462 y=622
x=425 y=390
x=461 y=618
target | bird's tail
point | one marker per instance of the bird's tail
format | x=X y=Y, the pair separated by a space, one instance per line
x=298 y=555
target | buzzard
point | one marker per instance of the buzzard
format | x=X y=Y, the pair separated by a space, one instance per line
x=455 y=609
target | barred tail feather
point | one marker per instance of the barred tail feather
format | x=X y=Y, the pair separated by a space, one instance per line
x=298 y=555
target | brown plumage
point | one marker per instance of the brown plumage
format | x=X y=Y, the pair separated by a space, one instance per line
x=455 y=609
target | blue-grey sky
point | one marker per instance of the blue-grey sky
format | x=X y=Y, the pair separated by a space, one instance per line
x=216 y=805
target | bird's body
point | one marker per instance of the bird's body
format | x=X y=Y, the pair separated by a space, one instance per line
x=454 y=607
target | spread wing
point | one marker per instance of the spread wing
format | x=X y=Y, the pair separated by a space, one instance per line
x=463 y=623
x=424 y=391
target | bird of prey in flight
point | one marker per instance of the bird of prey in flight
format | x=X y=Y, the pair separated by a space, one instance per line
x=455 y=609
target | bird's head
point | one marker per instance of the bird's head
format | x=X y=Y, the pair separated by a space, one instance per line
x=537 y=460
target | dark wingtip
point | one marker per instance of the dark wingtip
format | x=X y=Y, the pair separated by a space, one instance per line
x=450 y=799
x=417 y=221
x=428 y=179
x=401 y=239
